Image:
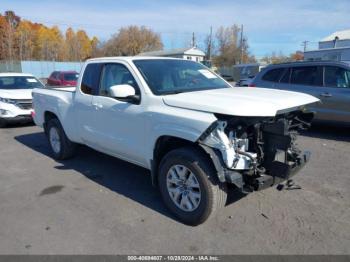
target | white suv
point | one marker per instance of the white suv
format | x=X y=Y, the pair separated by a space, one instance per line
x=16 y=97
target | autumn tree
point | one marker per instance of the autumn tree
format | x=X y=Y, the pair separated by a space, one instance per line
x=132 y=40
x=297 y=56
x=24 y=40
x=8 y=22
x=84 y=45
x=26 y=37
x=95 y=51
x=71 y=45
x=3 y=35
x=275 y=58
x=50 y=43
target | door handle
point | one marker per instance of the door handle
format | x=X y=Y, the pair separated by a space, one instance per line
x=97 y=105
x=326 y=94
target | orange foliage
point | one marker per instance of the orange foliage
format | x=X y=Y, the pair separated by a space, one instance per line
x=24 y=40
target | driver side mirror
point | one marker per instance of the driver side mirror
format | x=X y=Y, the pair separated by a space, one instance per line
x=125 y=93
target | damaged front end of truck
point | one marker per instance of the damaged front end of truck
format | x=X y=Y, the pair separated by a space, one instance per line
x=255 y=153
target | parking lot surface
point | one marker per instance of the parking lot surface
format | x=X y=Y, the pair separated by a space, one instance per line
x=96 y=204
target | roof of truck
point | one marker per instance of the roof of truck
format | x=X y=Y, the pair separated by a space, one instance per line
x=130 y=58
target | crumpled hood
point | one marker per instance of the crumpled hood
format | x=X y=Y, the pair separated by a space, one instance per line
x=16 y=93
x=240 y=101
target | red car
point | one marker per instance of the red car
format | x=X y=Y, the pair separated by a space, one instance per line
x=63 y=78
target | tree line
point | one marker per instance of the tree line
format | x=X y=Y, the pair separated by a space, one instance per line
x=24 y=40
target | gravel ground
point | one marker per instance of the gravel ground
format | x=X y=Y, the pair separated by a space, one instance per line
x=95 y=204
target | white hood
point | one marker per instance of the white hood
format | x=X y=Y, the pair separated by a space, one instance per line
x=16 y=93
x=240 y=101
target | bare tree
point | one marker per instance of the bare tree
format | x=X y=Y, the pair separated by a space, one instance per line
x=232 y=48
x=228 y=46
x=132 y=40
x=209 y=45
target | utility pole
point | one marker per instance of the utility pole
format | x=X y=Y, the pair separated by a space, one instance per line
x=304 y=44
x=242 y=44
x=210 y=43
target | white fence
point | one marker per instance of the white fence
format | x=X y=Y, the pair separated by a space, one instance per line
x=40 y=69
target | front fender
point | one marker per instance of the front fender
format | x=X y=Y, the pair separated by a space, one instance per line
x=189 y=125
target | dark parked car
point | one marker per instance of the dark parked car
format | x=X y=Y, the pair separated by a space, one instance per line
x=327 y=80
x=63 y=78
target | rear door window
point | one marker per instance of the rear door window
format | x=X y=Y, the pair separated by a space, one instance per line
x=286 y=76
x=91 y=78
x=335 y=76
x=273 y=75
x=306 y=75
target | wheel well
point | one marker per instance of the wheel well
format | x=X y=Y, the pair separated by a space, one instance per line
x=47 y=117
x=164 y=145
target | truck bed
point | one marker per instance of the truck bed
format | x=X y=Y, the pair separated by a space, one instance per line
x=56 y=100
x=60 y=88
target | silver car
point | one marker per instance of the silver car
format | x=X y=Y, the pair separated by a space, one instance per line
x=328 y=81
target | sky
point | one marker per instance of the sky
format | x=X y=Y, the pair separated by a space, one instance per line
x=269 y=25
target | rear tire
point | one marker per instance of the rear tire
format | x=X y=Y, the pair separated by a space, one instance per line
x=61 y=147
x=189 y=185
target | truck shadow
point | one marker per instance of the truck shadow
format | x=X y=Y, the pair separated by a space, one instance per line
x=119 y=176
x=329 y=131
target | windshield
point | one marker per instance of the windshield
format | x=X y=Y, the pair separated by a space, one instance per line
x=19 y=82
x=70 y=76
x=166 y=76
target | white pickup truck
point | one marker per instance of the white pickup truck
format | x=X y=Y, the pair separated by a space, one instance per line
x=195 y=133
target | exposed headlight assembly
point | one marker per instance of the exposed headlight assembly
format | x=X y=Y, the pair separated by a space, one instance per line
x=233 y=150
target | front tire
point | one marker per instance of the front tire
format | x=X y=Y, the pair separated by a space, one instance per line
x=189 y=185
x=61 y=147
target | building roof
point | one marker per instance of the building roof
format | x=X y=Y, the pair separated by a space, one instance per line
x=179 y=51
x=342 y=35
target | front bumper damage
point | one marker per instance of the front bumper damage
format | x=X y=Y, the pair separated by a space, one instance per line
x=280 y=172
x=256 y=153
